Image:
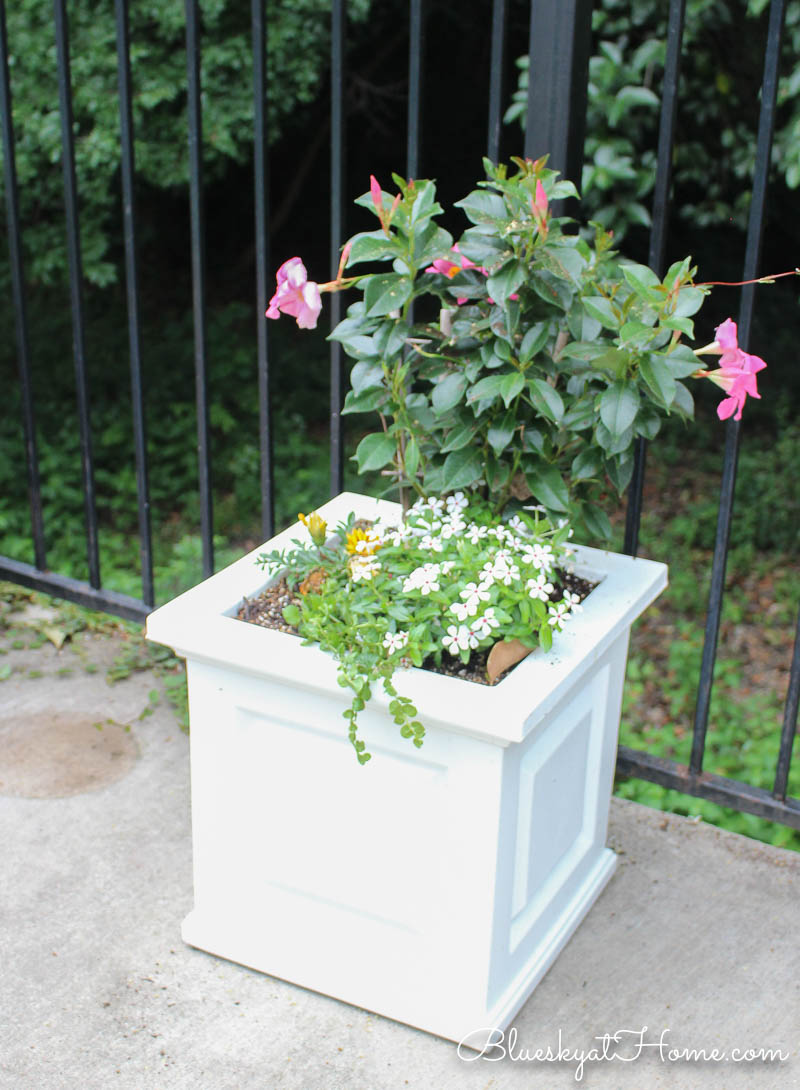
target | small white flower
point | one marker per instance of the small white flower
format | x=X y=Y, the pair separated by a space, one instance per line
x=539 y=556
x=539 y=587
x=573 y=602
x=363 y=567
x=475 y=533
x=432 y=543
x=459 y=639
x=424 y=579
x=460 y=610
x=395 y=641
x=558 y=614
x=447 y=566
x=473 y=595
x=482 y=626
x=516 y=523
x=458 y=501
x=502 y=569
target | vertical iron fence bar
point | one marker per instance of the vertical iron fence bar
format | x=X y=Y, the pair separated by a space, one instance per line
x=261 y=202
x=75 y=283
x=132 y=285
x=416 y=44
x=558 y=73
x=789 y=721
x=658 y=235
x=755 y=229
x=496 y=79
x=16 y=262
x=337 y=203
x=199 y=281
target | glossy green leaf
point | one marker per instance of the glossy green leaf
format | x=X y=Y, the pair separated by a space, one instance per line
x=386 y=292
x=546 y=399
x=449 y=391
x=547 y=486
x=618 y=407
x=461 y=469
x=375 y=451
x=659 y=379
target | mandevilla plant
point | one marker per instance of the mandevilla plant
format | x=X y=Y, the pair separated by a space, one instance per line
x=517 y=365
x=521 y=361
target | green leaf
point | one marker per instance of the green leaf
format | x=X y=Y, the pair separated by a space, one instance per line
x=615 y=361
x=553 y=290
x=642 y=279
x=411 y=458
x=584 y=350
x=618 y=407
x=683 y=325
x=596 y=521
x=375 y=451
x=434 y=242
x=659 y=379
x=682 y=361
x=461 y=469
x=586 y=465
x=373 y=246
x=565 y=262
x=459 y=436
x=636 y=96
x=483 y=207
x=386 y=292
x=596 y=306
x=613 y=444
x=448 y=392
x=637 y=335
x=689 y=302
x=684 y=402
x=502 y=284
x=419 y=410
x=547 y=485
x=534 y=341
x=365 y=402
x=580 y=415
x=511 y=385
x=487 y=388
x=501 y=432
x=366 y=376
x=292 y=615
x=546 y=400
x=620 y=471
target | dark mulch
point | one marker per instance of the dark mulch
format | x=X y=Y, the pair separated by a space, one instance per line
x=267 y=610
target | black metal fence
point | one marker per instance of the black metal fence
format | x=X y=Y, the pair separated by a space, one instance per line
x=559 y=46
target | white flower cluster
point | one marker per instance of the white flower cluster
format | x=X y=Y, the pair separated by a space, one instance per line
x=510 y=560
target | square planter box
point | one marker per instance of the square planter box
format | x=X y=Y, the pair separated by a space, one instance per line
x=434 y=886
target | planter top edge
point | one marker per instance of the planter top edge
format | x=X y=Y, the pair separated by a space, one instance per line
x=201 y=625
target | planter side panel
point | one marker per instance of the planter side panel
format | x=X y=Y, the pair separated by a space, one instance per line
x=371 y=884
x=556 y=791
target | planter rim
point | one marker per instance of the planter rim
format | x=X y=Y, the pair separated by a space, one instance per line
x=201 y=624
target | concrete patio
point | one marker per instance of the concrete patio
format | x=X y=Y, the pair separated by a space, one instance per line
x=692 y=946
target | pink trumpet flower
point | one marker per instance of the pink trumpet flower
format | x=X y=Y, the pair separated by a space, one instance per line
x=737 y=375
x=449 y=268
x=296 y=295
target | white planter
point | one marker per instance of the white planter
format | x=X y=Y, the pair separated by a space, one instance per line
x=434 y=886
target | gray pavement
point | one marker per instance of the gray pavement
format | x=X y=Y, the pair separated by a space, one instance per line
x=693 y=944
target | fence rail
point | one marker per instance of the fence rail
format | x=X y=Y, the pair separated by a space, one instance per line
x=559 y=46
